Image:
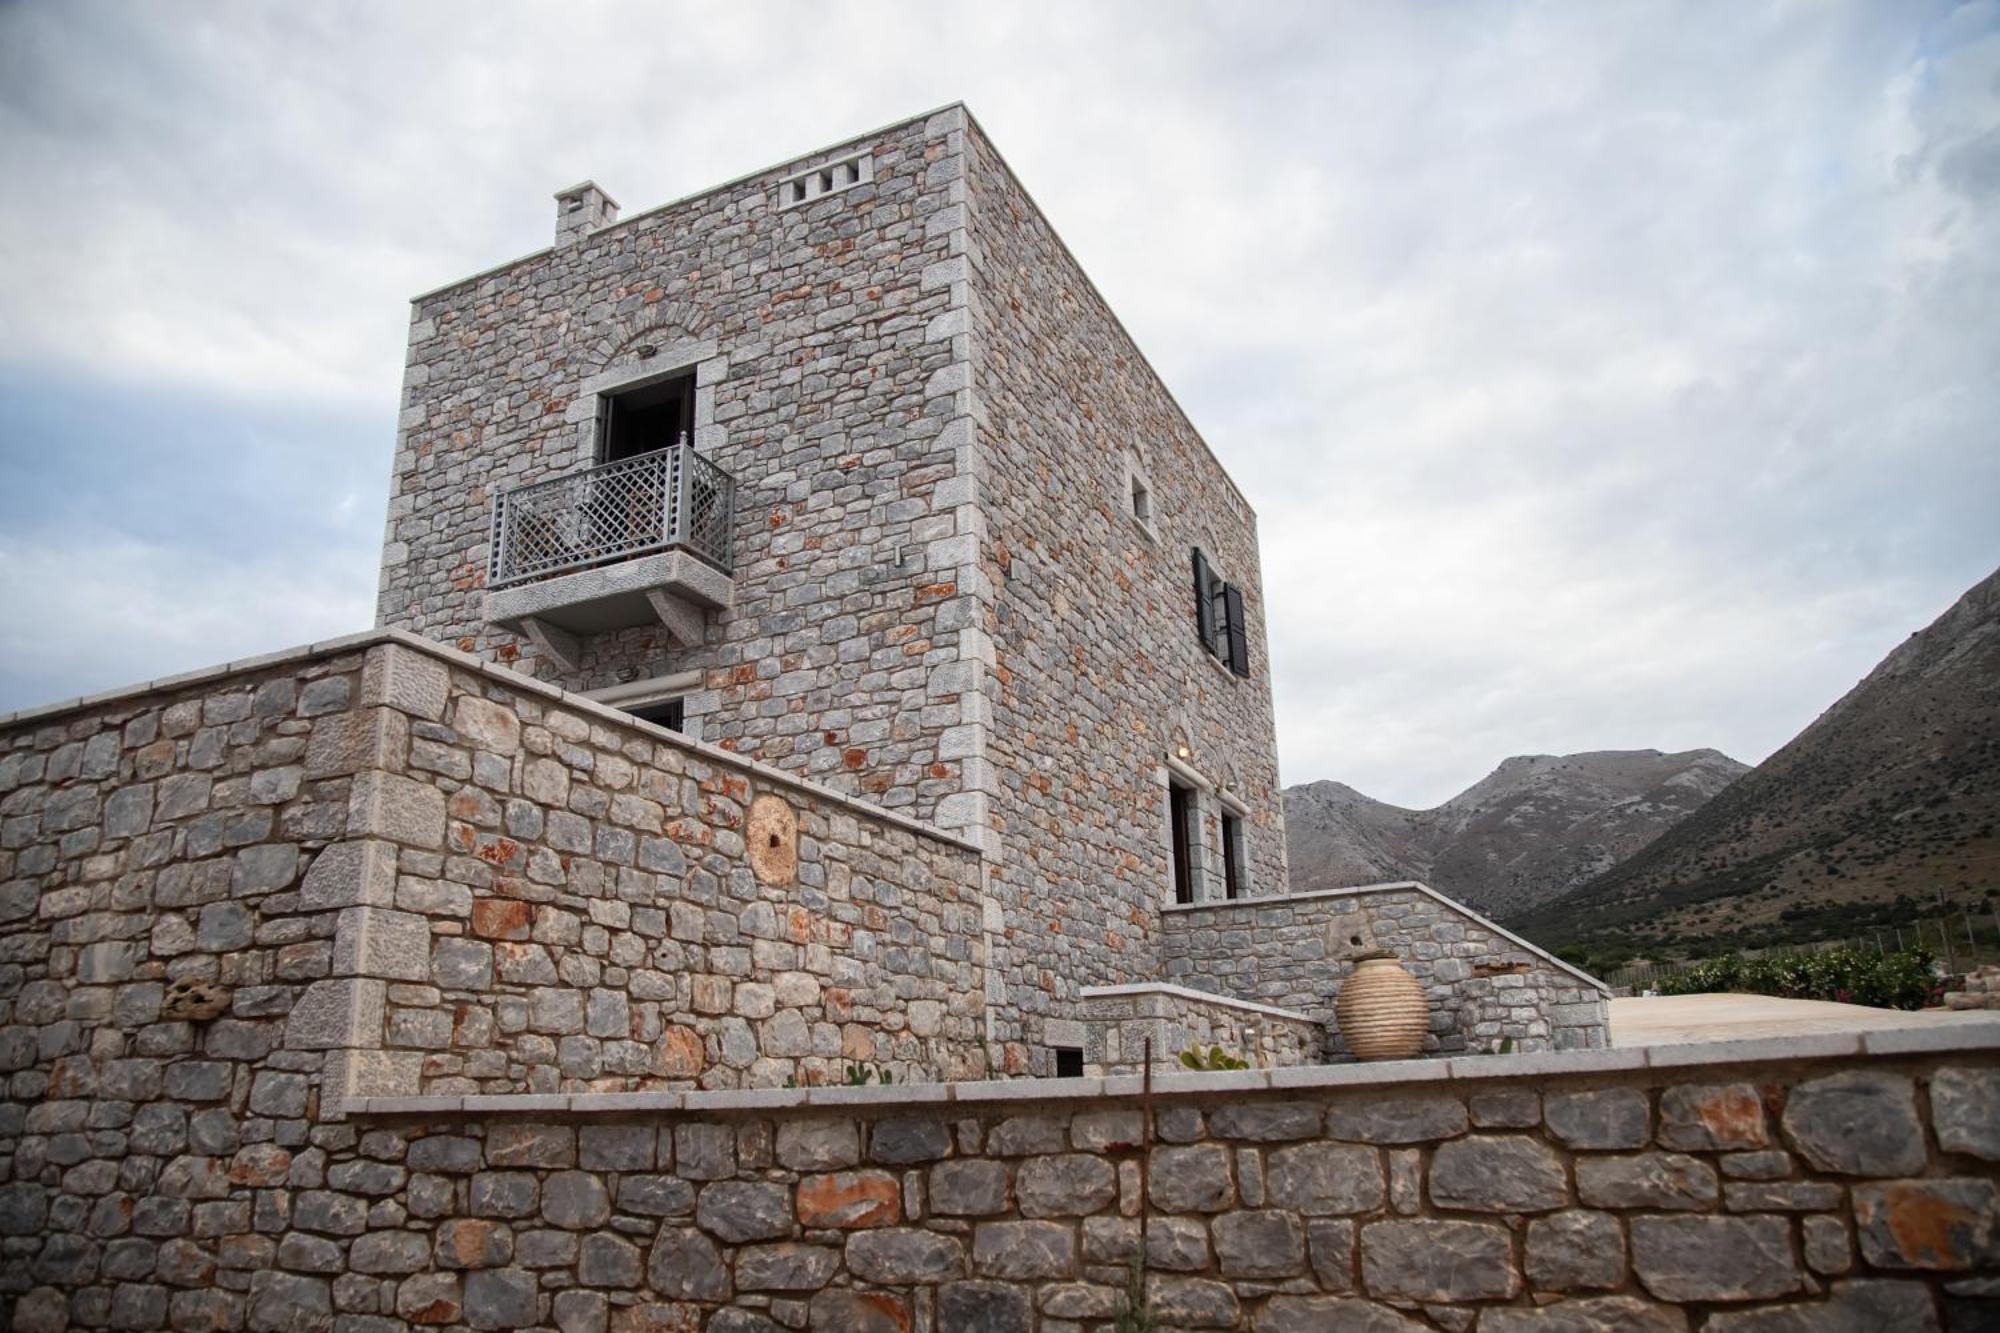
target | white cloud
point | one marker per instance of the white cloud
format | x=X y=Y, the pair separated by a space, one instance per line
x=101 y=611
x=1603 y=375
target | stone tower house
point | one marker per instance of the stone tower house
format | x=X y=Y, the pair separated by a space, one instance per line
x=847 y=467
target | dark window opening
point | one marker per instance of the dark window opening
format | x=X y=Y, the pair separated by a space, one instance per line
x=1069 y=1062
x=668 y=713
x=1180 y=821
x=1142 y=500
x=1232 y=856
x=642 y=420
x=1219 y=617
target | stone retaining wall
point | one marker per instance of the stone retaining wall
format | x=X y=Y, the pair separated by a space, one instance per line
x=1487 y=989
x=1119 y=1020
x=1816 y=1184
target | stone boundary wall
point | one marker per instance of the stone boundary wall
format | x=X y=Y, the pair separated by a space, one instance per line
x=1119 y=1019
x=1843 y=1182
x=435 y=875
x=1486 y=987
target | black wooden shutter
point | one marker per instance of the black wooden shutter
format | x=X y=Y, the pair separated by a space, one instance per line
x=1204 y=607
x=1239 y=637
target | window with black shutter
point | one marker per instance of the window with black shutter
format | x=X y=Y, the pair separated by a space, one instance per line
x=1219 y=618
x=1238 y=631
x=1205 y=584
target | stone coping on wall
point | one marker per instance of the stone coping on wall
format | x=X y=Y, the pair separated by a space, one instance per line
x=1190 y=993
x=513 y=680
x=1883 y=1043
x=1393 y=886
x=817 y=155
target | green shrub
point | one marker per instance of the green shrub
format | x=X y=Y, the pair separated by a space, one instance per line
x=1901 y=980
x=1215 y=1058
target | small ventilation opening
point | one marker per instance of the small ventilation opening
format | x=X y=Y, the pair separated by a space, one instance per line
x=1069 y=1062
x=668 y=713
x=828 y=178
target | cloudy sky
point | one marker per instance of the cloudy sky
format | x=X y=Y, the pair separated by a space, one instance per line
x=1605 y=375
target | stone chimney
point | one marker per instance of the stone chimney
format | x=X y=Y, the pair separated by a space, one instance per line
x=581 y=210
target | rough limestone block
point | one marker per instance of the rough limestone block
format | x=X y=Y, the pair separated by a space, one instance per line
x=1715 y=1258
x=1498 y=1173
x=897 y=1255
x=366 y=1073
x=380 y=942
x=340 y=1012
x=1438 y=1260
x=487 y=725
x=1965 y=1110
x=1599 y=1118
x=350 y=874
x=1859 y=1123
x=1575 y=1250
x=1701 y=1117
x=1948 y=1224
x=400 y=809
x=405 y=680
x=368 y=738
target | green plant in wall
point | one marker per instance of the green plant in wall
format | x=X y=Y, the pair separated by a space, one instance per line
x=1137 y=1316
x=1214 y=1058
x=862 y=1075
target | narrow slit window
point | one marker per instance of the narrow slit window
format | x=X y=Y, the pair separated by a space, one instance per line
x=1232 y=856
x=1180 y=832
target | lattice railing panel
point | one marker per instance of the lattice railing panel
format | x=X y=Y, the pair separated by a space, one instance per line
x=671 y=497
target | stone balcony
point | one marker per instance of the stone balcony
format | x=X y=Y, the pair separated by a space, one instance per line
x=642 y=540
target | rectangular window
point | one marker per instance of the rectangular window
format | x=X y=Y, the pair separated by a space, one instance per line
x=1180 y=830
x=1069 y=1062
x=1219 y=617
x=1232 y=856
x=639 y=421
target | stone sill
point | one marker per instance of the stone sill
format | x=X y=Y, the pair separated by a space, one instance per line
x=1396 y=1074
x=513 y=680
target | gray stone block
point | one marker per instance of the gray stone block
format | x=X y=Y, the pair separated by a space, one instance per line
x=1714 y=1258
x=1857 y=1123
x=1437 y=1260
x=1498 y=1173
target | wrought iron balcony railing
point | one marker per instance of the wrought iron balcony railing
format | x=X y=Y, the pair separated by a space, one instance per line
x=672 y=497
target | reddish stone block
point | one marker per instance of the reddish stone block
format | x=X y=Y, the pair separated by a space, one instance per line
x=850 y=1200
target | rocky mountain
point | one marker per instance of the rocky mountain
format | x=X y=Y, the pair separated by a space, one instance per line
x=1889 y=800
x=1531 y=829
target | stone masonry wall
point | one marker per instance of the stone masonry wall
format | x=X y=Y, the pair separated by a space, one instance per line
x=827 y=390
x=441 y=876
x=1744 y=1189
x=1485 y=987
x=1100 y=672
x=1119 y=1021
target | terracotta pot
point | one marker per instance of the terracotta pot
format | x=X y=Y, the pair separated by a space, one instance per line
x=1381 y=1011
